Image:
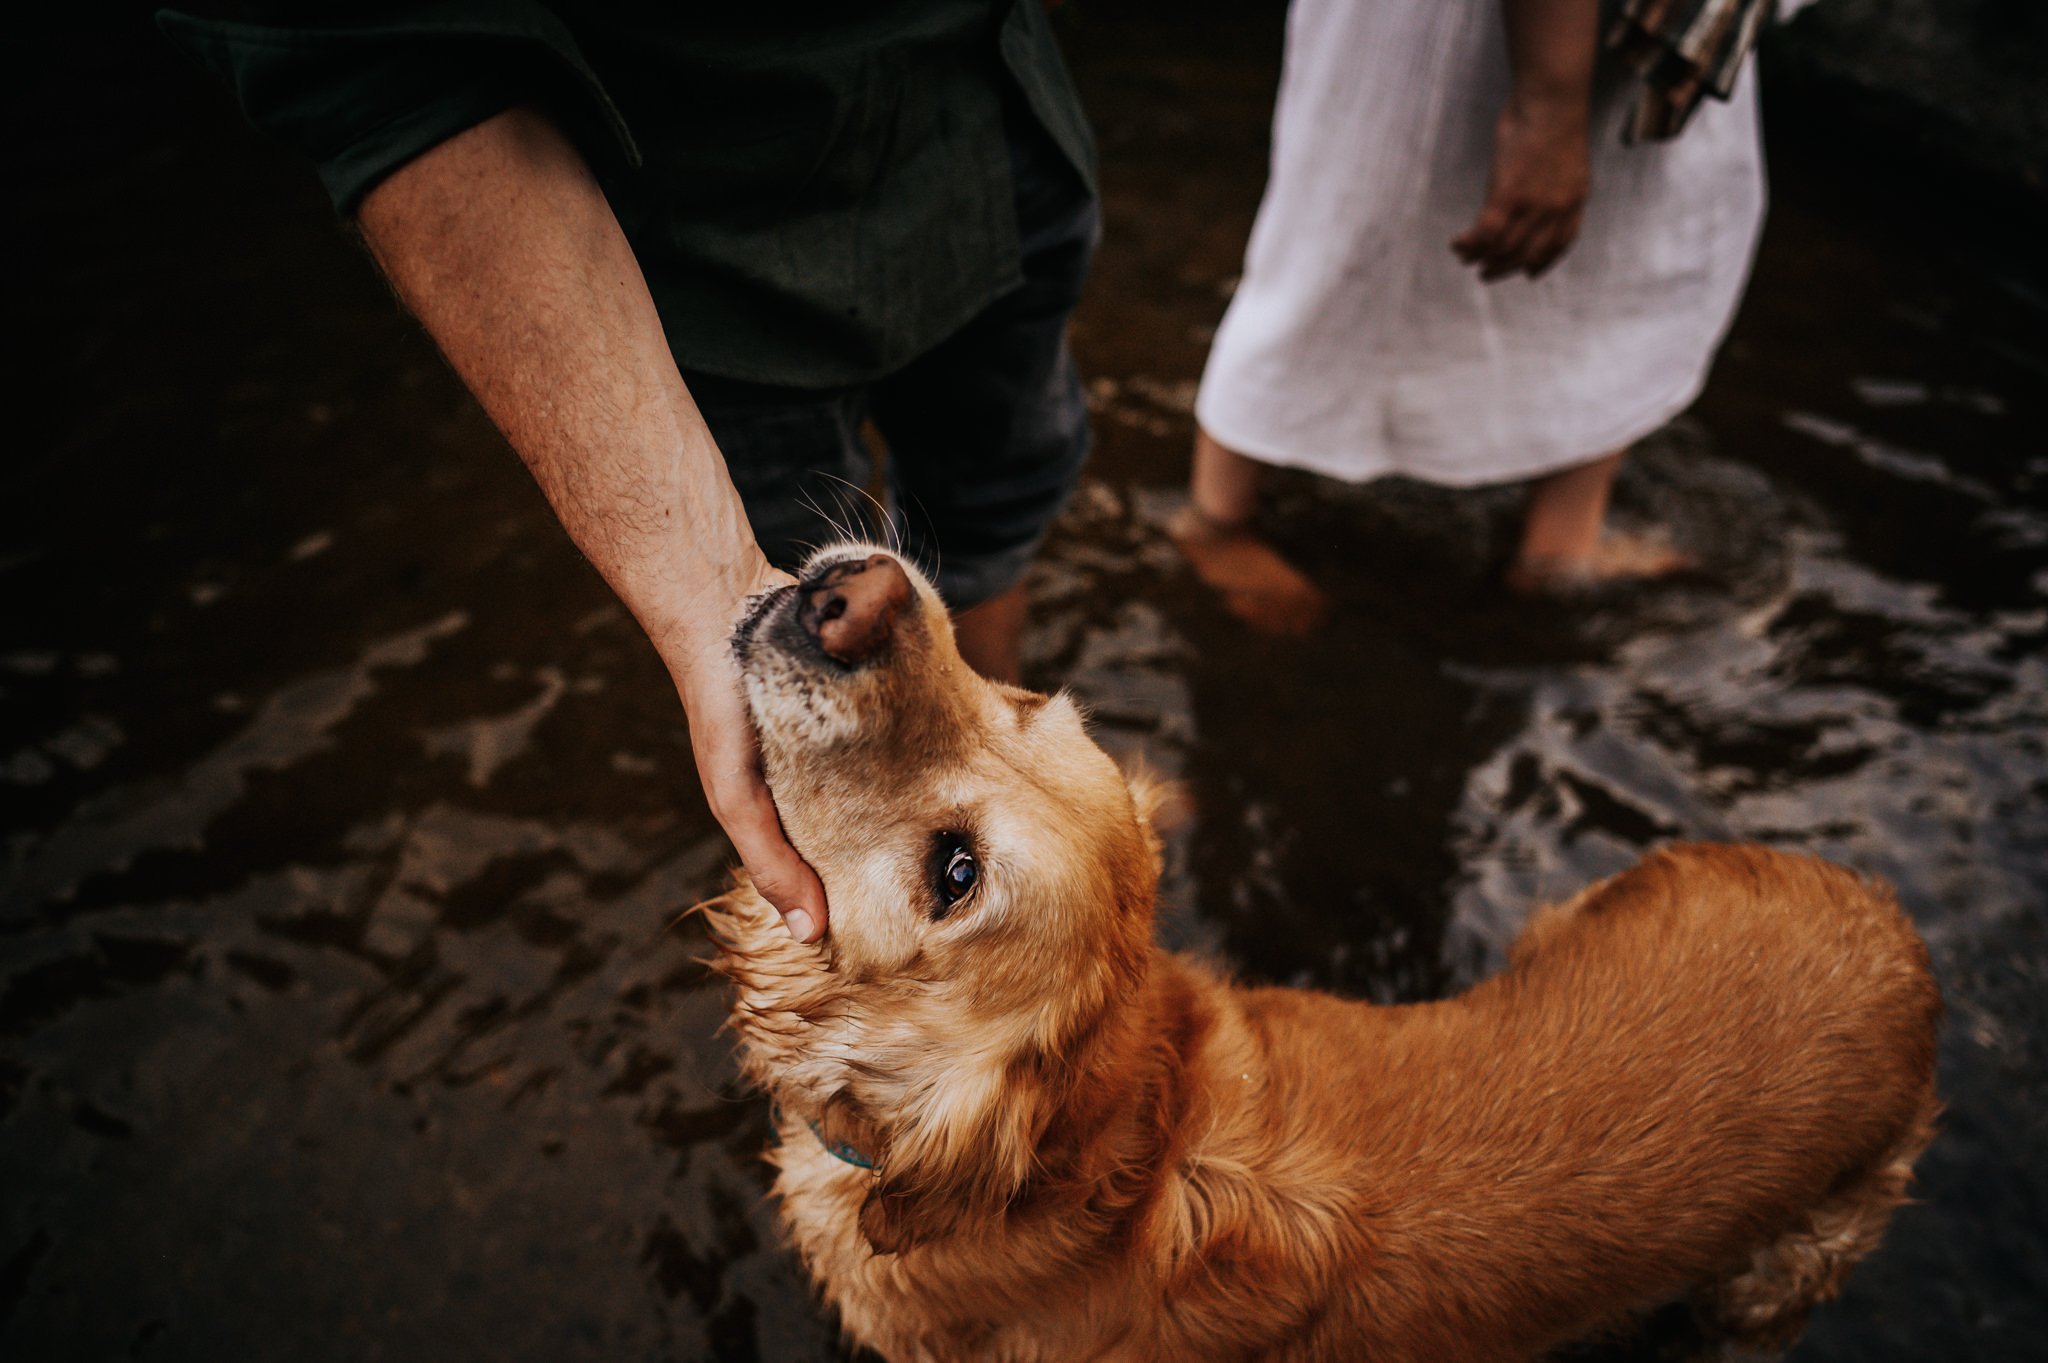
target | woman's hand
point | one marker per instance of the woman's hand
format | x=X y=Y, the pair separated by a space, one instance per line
x=1536 y=195
x=1537 y=191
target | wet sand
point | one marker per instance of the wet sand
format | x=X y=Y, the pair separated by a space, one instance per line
x=344 y=1012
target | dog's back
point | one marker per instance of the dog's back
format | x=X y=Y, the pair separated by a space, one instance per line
x=1706 y=1077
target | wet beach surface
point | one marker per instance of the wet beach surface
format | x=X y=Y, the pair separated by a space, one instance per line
x=344 y=1010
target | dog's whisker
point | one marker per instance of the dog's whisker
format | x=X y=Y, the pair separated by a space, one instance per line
x=843 y=522
x=882 y=523
x=927 y=558
x=810 y=504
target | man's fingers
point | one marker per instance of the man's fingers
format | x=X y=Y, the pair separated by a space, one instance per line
x=729 y=765
x=782 y=877
x=791 y=886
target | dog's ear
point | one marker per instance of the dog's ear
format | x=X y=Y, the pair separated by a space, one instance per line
x=842 y=1124
x=900 y=1215
x=952 y=1165
x=928 y=1189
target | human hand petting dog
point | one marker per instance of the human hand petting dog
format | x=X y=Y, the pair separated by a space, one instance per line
x=729 y=764
x=1536 y=191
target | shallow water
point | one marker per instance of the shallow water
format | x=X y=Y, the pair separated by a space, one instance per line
x=342 y=1008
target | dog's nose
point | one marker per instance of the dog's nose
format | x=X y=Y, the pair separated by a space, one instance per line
x=849 y=608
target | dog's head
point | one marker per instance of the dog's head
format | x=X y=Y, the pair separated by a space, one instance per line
x=990 y=874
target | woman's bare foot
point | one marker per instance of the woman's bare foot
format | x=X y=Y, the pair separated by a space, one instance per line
x=1257 y=585
x=1614 y=558
x=1566 y=549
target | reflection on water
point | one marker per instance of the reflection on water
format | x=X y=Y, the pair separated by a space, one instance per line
x=344 y=1009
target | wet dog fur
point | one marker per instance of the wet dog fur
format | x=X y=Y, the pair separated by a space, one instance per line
x=1703 y=1080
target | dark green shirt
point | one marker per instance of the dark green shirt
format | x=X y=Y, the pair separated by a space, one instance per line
x=817 y=190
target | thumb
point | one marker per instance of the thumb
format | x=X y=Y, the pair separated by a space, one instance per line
x=780 y=876
x=795 y=891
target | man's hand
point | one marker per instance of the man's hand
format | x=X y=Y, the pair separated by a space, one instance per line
x=1536 y=193
x=1536 y=196
x=729 y=765
x=502 y=244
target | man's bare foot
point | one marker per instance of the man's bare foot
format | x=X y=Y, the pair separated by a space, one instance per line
x=990 y=636
x=1615 y=558
x=1257 y=585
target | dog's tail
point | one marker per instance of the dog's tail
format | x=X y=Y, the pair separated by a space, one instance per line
x=1764 y=1307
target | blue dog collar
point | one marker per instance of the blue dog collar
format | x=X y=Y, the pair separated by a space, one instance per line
x=840 y=1150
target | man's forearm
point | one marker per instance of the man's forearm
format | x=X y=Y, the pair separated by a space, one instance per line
x=501 y=243
x=504 y=247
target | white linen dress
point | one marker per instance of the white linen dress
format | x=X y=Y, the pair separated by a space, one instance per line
x=1358 y=345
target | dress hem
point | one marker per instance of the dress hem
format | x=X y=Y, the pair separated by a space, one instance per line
x=1539 y=459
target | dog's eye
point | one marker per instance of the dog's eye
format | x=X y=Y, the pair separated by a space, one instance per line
x=961 y=874
x=955 y=872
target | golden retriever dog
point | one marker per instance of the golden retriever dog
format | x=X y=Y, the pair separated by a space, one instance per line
x=1012 y=1128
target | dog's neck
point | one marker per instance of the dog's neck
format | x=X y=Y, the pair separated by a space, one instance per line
x=1104 y=1152
x=1075 y=1121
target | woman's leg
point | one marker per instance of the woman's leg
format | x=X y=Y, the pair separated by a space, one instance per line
x=1214 y=531
x=1225 y=484
x=1564 y=544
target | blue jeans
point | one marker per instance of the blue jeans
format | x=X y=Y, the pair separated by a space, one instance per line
x=986 y=432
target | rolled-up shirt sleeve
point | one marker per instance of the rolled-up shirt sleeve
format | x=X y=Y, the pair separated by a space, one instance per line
x=360 y=98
